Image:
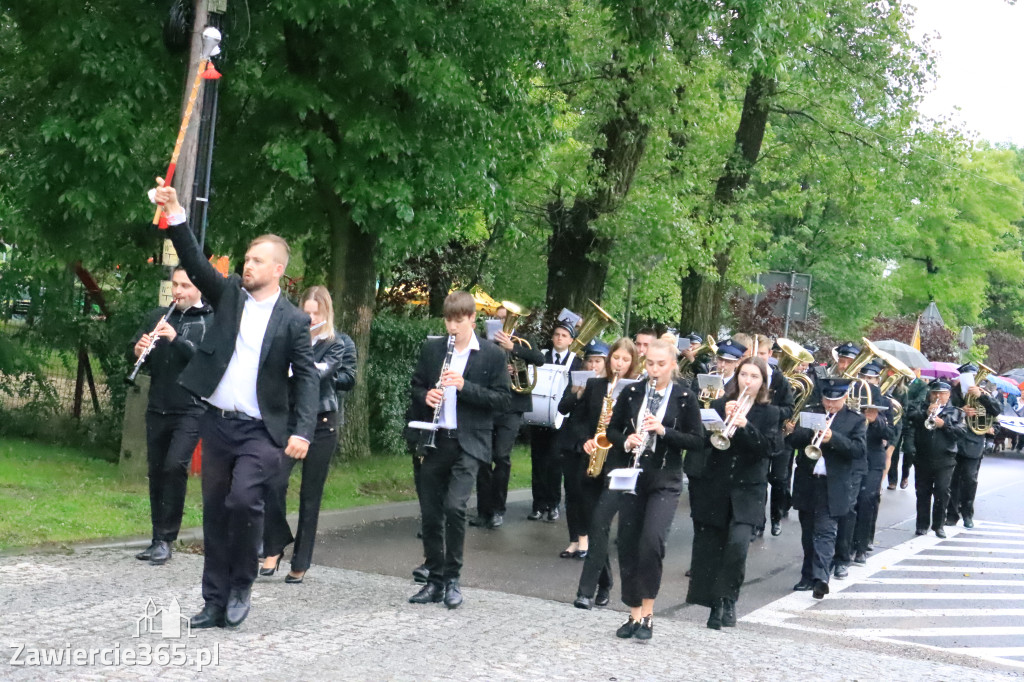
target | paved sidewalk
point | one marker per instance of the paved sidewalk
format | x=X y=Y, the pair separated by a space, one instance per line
x=348 y=625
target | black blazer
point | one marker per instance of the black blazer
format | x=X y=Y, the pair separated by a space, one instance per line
x=583 y=413
x=972 y=444
x=288 y=406
x=936 y=447
x=735 y=478
x=841 y=452
x=683 y=429
x=484 y=395
x=523 y=402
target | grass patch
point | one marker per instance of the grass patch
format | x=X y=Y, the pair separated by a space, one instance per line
x=54 y=494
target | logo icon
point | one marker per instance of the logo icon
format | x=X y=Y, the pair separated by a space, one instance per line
x=171 y=622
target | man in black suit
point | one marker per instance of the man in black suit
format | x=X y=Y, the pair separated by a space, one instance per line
x=473 y=390
x=964 y=485
x=492 y=480
x=821 y=487
x=546 y=475
x=241 y=369
x=938 y=428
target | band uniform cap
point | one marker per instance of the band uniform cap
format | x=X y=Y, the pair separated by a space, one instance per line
x=870 y=370
x=567 y=326
x=967 y=368
x=848 y=350
x=596 y=349
x=834 y=388
x=937 y=385
x=731 y=350
x=810 y=348
x=695 y=338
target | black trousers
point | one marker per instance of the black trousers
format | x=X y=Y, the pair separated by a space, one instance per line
x=963 y=488
x=848 y=522
x=644 y=522
x=546 y=476
x=867 y=510
x=906 y=446
x=818 y=530
x=239 y=461
x=780 y=476
x=170 y=441
x=597 y=566
x=719 y=561
x=276 y=533
x=447 y=475
x=492 y=479
x=932 y=484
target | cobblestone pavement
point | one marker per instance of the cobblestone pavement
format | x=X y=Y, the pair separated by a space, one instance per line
x=348 y=625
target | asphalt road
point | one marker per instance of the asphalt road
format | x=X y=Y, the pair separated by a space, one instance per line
x=522 y=556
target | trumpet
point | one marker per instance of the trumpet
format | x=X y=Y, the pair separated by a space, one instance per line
x=130 y=379
x=933 y=414
x=711 y=392
x=600 y=455
x=721 y=440
x=813 y=451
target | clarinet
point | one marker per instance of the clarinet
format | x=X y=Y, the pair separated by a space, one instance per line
x=640 y=449
x=440 y=405
x=130 y=379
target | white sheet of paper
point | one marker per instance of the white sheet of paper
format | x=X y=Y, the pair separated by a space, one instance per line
x=623 y=383
x=580 y=378
x=492 y=327
x=426 y=426
x=569 y=316
x=813 y=420
x=966 y=381
x=709 y=417
x=623 y=479
x=713 y=380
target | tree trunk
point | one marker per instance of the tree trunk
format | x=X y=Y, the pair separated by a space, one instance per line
x=353 y=279
x=703 y=294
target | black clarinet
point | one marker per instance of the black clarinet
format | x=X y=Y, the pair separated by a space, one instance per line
x=130 y=379
x=440 y=405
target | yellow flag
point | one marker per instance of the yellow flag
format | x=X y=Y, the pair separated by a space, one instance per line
x=916 y=340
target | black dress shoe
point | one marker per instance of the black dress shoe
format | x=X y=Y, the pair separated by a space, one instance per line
x=535 y=515
x=145 y=554
x=820 y=589
x=646 y=629
x=238 y=607
x=420 y=573
x=583 y=602
x=968 y=522
x=294 y=579
x=841 y=571
x=580 y=554
x=939 y=532
x=869 y=549
x=431 y=593
x=715 y=617
x=161 y=553
x=728 y=613
x=952 y=520
x=496 y=521
x=603 y=596
x=860 y=559
x=689 y=573
x=452 y=594
x=904 y=483
x=921 y=531
x=803 y=585
x=891 y=486
x=553 y=514
x=210 y=617
x=478 y=521
x=776 y=528
x=628 y=629
x=565 y=554
x=759 y=532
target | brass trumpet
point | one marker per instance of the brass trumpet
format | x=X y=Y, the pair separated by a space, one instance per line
x=813 y=451
x=721 y=440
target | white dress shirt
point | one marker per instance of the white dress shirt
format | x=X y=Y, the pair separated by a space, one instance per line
x=236 y=391
x=449 y=413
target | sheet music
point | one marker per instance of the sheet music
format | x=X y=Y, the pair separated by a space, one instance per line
x=623 y=383
x=709 y=417
x=580 y=378
x=713 y=380
x=569 y=316
x=623 y=479
x=813 y=420
x=491 y=327
x=966 y=381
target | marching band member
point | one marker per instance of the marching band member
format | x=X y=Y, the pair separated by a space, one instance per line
x=672 y=424
x=546 y=474
x=938 y=427
x=821 y=486
x=623 y=363
x=334 y=356
x=492 y=479
x=880 y=433
x=964 y=485
x=465 y=399
x=699 y=364
x=780 y=470
x=729 y=502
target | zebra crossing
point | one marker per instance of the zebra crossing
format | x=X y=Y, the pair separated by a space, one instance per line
x=963 y=594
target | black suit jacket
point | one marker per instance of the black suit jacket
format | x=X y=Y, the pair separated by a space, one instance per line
x=583 y=413
x=841 y=453
x=972 y=444
x=936 y=447
x=484 y=395
x=683 y=429
x=522 y=402
x=288 y=406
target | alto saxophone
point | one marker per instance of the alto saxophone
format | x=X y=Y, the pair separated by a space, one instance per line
x=599 y=455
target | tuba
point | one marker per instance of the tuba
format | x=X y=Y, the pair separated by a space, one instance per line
x=860 y=390
x=600 y=455
x=790 y=356
x=981 y=422
x=520 y=367
x=593 y=325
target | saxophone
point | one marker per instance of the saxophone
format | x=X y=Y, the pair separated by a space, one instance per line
x=598 y=456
